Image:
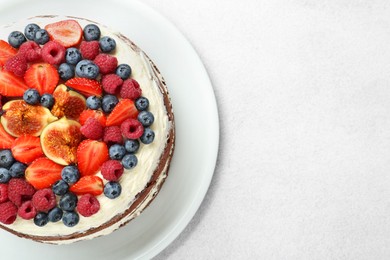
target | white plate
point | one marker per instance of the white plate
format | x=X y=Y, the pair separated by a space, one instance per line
x=197 y=132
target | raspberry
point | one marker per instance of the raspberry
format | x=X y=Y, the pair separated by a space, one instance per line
x=132 y=128
x=53 y=53
x=19 y=191
x=92 y=129
x=106 y=63
x=111 y=83
x=8 y=212
x=27 y=210
x=112 y=170
x=112 y=134
x=88 y=205
x=89 y=50
x=16 y=64
x=3 y=192
x=130 y=89
x=31 y=51
x=44 y=200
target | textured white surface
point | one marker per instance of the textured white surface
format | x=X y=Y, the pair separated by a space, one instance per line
x=303 y=89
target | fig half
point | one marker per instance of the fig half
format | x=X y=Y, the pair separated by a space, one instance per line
x=68 y=103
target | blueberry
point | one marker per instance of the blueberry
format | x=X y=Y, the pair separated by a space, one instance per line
x=41 y=37
x=142 y=103
x=17 y=170
x=16 y=38
x=70 y=218
x=146 y=118
x=41 y=219
x=87 y=69
x=117 y=152
x=30 y=30
x=129 y=161
x=94 y=102
x=112 y=190
x=6 y=158
x=72 y=56
x=47 y=100
x=123 y=71
x=91 y=32
x=107 y=44
x=148 y=136
x=60 y=187
x=66 y=71
x=55 y=214
x=131 y=146
x=4 y=175
x=31 y=96
x=70 y=174
x=68 y=201
x=109 y=102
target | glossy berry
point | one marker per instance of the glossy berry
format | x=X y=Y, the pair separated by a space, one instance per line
x=6 y=158
x=107 y=44
x=70 y=174
x=111 y=83
x=87 y=69
x=44 y=200
x=112 y=170
x=60 y=187
x=55 y=214
x=146 y=118
x=47 y=100
x=41 y=36
x=53 y=53
x=89 y=50
x=109 y=102
x=94 y=102
x=3 y=192
x=66 y=71
x=27 y=210
x=91 y=32
x=5 y=176
x=112 y=134
x=17 y=65
x=68 y=201
x=41 y=219
x=16 y=38
x=107 y=63
x=88 y=205
x=72 y=56
x=30 y=30
x=117 y=151
x=131 y=145
x=31 y=51
x=17 y=170
x=123 y=71
x=141 y=103
x=129 y=161
x=148 y=136
x=70 y=219
x=130 y=89
x=31 y=96
x=92 y=129
x=112 y=190
x=132 y=128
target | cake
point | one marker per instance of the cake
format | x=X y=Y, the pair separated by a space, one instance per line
x=87 y=129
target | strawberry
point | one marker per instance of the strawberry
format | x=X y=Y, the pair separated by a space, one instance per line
x=67 y=32
x=6 y=140
x=6 y=52
x=91 y=154
x=43 y=173
x=92 y=113
x=90 y=184
x=26 y=148
x=87 y=87
x=123 y=110
x=11 y=85
x=43 y=77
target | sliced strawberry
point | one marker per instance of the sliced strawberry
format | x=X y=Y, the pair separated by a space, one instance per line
x=43 y=77
x=87 y=87
x=90 y=184
x=6 y=52
x=123 y=110
x=92 y=113
x=68 y=33
x=6 y=140
x=11 y=85
x=27 y=148
x=43 y=173
x=91 y=154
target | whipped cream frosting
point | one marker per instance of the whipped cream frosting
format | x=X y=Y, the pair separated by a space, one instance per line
x=133 y=181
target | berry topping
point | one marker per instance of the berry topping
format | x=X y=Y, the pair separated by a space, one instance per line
x=17 y=65
x=27 y=148
x=123 y=71
x=68 y=202
x=130 y=89
x=131 y=146
x=16 y=38
x=17 y=170
x=72 y=56
x=92 y=129
x=123 y=110
x=55 y=214
x=94 y=102
x=90 y=184
x=132 y=128
x=146 y=118
x=41 y=37
x=91 y=32
x=30 y=30
x=43 y=173
x=8 y=212
x=68 y=103
x=70 y=174
x=112 y=134
x=92 y=113
x=88 y=205
x=19 y=191
x=117 y=151
x=11 y=85
x=6 y=158
x=42 y=77
x=66 y=71
x=112 y=190
x=3 y=192
x=129 y=161
x=60 y=187
x=47 y=100
x=106 y=63
x=112 y=170
x=148 y=136
x=27 y=210
x=31 y=51
x=6 y=140
x=67 y=32
x=89 y=50
x=44 y=200
x=87 y=69
x=91 y=155
x=70 y=219
x=53 y=53
x=107 y=44
x=109 y=102
x=111 y=83
x=6 y=52
x=31 y=96
x=87 y=87
x=142 y=103
x=5 y=176
x=41 y=219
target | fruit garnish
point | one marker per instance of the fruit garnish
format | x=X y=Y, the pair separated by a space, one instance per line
x=42 y=77
x=43 y=173
x=8 y=212
x=88 y=205
x=19 y=191
x=68 y=103
x=87 y=87
x=27 y=148
x=92 y=129
x=6 y=140
x=27 y=210
x=130 y=89
x=11 y=85
x=21 y=118
x=123 y=110
x=90 y=184
x=92 y=113
x=6 y=52
x=53 y=53
x=67 y=32
x=91 y=154
x=59 y=141
x=44 y=200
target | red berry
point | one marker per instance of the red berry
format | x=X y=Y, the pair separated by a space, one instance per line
x=132 y=128
x=16 y=64
x=31 y=51
x=27 y=210
x=111 y=83
x=106 y=63
x=44 y=200
x=112 y=134
x=92 y=129
x=88 y=205
x=19 y=191
x=53 y=53
x=89 y=50
x=8 y=212
x=3 y=192
x=112 y=170
x=130 y=89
